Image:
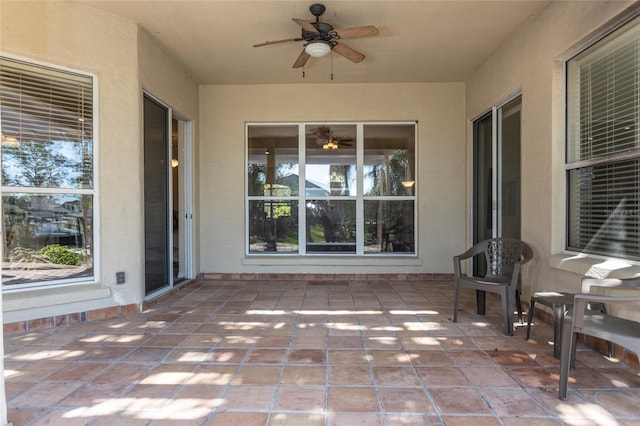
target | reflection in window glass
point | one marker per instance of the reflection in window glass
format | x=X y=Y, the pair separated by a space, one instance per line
x=47 y=146
x=389 y=226
x=273 y=161
x=389 y=160
x=273 y=226
x=47 y=237
x=330 y=157
x=331 y=226
x=359 y=189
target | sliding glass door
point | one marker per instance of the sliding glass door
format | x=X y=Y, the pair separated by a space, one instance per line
x=167 y=198
x=496 y=172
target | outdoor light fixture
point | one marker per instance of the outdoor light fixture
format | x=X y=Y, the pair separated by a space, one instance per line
x=317 y=49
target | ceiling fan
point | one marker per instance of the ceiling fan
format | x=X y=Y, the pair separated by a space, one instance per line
x=321 y=38
x=328 y=140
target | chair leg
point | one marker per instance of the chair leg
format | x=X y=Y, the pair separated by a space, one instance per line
x=565 y=358
x=530 y=317
x=456 y=298
x=481 y=298
x=558 y=313
x=519 y=306
x=508 y=315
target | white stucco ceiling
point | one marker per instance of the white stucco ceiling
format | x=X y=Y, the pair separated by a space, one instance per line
x=420 y=40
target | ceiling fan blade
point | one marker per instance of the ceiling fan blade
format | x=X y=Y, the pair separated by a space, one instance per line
x=302 y=59
x=268 y=43
x=306 y=25
x=355 y=32
x=349 y=53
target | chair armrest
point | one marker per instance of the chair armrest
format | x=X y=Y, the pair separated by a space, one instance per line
x=587 y=283
x=581 y=300
x=457 y=260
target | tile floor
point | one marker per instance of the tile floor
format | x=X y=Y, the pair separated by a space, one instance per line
x=308 y=353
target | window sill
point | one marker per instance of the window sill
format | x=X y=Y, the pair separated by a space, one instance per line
x=592 y=266
x=53 y=301
x=317 y=260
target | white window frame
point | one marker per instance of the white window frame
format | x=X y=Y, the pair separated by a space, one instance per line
x=612 y=38
x=359 y=198
x=94 y=191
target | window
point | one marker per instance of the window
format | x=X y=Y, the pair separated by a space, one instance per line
x=342 y=188
x=46 y=117
x=603 y=146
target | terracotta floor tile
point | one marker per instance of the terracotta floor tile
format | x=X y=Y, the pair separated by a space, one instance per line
x=388 y=357
x=353 y=399
x=309 y=341
x=488 y=377
x=205 y=394
x=513 y=402
x=408 y=419
x=226 y=356
x=212 y=374
x=442 y=376
x=345 y=353
x=350 y=357
x=122 y=373
x=300 y=398
x=405 y=400
x=267 y=356
x=249 y=397
x=512 y=358
x=294 y=419
x=200 y=341
x=33 y=372
x=350 y=375
x=107 y=354
x=471 y=420
x=459 y=401
x=147 y=355
x=79 y=371
x=88 y=394
x=345 y=342
x=534 y=377
x=396 y=376
x=168 y=374
x=45 y=394
x=304 y=375
x=257 y=375
x=164 y=340
x=359 y=419
x=307 y=356
x=471 y=359
x=430 y=358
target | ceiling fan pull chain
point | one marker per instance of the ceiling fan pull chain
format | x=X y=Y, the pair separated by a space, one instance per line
x=332 y=65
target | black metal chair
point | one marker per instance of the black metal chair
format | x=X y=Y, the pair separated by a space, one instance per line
x=504 y=258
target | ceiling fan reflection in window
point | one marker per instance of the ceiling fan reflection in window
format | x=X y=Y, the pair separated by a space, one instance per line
x=328 y=140
x=321 y=38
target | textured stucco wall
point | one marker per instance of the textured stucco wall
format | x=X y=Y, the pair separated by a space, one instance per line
x=439 y=110
x=532 y=61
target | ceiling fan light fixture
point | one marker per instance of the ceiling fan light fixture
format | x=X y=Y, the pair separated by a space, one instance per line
x=330 y=144
x=317 y=49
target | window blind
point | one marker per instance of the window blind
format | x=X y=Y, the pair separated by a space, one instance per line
x=603 y=146
x=46 y=118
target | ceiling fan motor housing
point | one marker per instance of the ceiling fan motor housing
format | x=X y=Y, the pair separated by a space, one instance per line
x=317 y=9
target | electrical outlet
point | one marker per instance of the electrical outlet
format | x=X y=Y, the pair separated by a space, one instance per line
x=119 y=277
